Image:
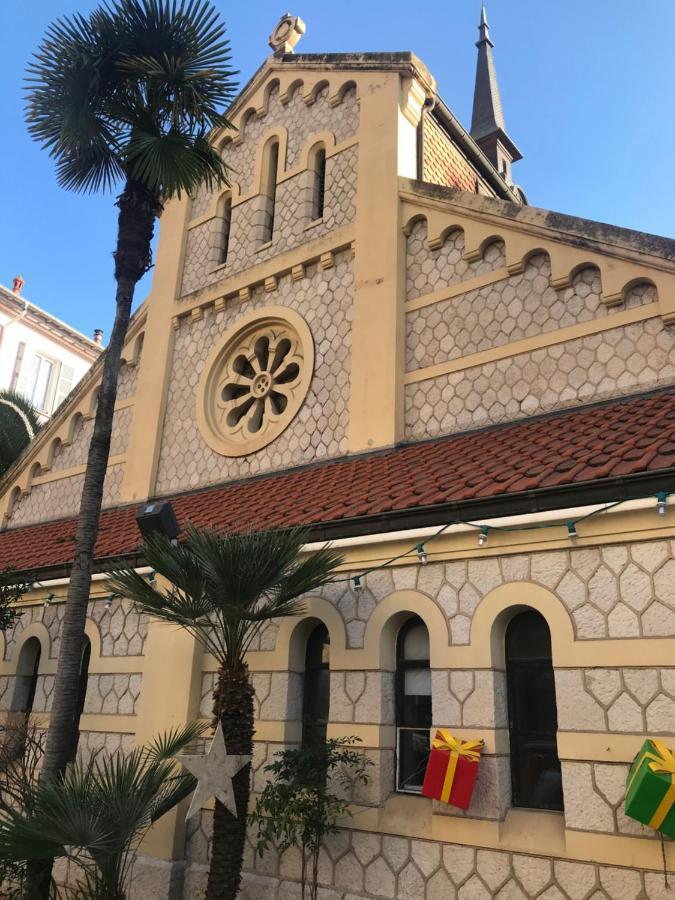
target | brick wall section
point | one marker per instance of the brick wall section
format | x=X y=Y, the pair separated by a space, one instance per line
x=444 y=164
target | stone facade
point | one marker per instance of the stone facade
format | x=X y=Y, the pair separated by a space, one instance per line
x=323 y=298
x=607 y=362
x=292 y=224
x=360 y=865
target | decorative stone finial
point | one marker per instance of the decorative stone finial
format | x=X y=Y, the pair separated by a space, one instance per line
x=287 y=34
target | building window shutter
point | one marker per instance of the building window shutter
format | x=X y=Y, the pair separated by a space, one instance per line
x=65 y=385
x=14 y=383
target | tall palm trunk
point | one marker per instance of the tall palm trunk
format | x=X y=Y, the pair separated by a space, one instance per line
x=233 y=708
x=138 y=210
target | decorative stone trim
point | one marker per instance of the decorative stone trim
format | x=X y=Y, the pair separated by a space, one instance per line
x=255 y=381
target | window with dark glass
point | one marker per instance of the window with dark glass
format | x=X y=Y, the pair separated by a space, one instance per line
x=269 y=188
x=317 y=688
x=225 y=222
x=319 y=188
x=413 y=705
x=533 y=720
x=27 y=677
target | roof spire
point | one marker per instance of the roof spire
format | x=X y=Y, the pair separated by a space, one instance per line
x=488 y=127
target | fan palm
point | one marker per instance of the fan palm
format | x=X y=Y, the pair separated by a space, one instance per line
x=126 y=96
x=98 y=813
x=19 y=423
x=223 y=589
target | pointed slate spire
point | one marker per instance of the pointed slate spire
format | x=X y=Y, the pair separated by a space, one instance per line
x=488 y=127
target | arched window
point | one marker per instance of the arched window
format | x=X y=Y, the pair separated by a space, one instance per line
x=27 y=677
x=319 y=182
x=224 y=230
x=533 y=718
x=413 y=705
x=269 y=187
x=81 y=690
x=316 y=688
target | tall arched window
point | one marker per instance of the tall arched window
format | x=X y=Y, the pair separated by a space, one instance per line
x=413 y=705
x=316 y=688
x=269 y=187
x=27 y=677
x=223 y=237
x=81 y=690
x=533 y=718
x=319 y=182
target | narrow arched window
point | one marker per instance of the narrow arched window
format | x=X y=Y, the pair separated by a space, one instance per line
x=533 y=719
x=269 y=188
x=413 y=705
x=319 y=183
x=316 y=688
x=81 y=691
x=224 y=235
x=27 y=677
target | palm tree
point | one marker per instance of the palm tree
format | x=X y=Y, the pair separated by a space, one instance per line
x=19 y=423
x=222 y=589
x=126 y=96
x=96 y=815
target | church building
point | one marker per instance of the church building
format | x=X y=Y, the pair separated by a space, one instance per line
x=371 y=333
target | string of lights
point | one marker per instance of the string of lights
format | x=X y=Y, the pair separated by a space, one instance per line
x=420 y=548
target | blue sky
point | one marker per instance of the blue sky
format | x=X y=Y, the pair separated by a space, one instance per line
x=587 y=90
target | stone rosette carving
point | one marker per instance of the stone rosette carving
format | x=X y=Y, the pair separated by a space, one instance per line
x=255 y=381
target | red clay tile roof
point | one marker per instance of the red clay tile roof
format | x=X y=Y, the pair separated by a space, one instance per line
x=623 y=438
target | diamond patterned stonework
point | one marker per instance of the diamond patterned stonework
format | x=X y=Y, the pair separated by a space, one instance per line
x=301 y=121
x=323 y=299
x=58 y=499
x=292 y=225
x=362 y=865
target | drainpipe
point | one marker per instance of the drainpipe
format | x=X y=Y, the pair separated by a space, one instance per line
x=16 y=290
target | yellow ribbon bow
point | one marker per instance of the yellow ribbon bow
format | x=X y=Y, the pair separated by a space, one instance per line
x=470 y=750
x=662 y=763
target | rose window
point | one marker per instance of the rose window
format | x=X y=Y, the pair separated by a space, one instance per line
x=255 y=381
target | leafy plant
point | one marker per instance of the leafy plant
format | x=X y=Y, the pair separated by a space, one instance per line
x=19 y=423
x=97 y=814
x=300 y=807
x=12 y=589
x=222 y=588
x=21 y=750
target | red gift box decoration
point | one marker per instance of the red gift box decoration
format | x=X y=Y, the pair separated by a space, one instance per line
x=452 y=769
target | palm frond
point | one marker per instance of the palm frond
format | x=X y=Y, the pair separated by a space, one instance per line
x=222 y=587
x=133 y=90
x=19 y=423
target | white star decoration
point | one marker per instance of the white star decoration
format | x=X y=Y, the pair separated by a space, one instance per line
x=214 y=772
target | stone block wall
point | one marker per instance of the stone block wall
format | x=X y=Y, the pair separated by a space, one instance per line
x=362 y=865
x=319 y=431
x=511 y=308
x=607 y=592
x=292 y=225
x=122 y=634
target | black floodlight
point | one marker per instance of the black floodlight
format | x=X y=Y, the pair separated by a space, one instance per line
x=158 y=518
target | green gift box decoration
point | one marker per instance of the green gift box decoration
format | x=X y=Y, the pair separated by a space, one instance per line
x=650 y=788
